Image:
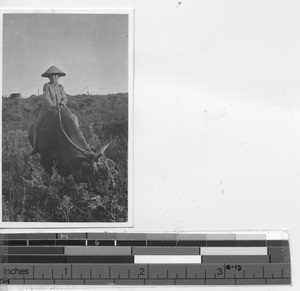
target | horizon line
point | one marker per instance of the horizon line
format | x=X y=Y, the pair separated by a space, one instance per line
x=97 y=94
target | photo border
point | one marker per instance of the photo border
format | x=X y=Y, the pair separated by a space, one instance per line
x=130 y=190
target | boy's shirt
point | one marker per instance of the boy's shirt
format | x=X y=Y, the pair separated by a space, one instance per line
x=54 y=94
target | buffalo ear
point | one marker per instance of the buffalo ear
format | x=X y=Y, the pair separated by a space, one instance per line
x=101 y=151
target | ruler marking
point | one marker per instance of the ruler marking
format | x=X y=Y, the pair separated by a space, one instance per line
x=274 y=274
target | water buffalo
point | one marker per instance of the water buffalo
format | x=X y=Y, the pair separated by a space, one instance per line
x=61 y=143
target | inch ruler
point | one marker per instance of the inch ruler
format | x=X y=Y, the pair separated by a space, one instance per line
x=144 y=259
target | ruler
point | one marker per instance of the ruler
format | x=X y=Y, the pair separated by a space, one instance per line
x=144 y=259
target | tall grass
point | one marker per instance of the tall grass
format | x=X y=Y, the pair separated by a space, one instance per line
x=30 y=195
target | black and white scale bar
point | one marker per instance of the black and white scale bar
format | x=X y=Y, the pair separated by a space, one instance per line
x=108 y=242
x=9 y=254
x=144 y=259
x=147 y=259
x=60 y=259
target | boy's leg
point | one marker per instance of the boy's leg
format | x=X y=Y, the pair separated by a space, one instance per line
x=75 y=118
x=36 y=129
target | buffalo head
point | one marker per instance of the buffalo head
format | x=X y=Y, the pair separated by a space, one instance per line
x=93 y=168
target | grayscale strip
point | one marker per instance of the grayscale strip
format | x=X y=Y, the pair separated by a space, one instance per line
x=143 y=259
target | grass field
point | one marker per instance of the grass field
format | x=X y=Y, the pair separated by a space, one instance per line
x=30 y=195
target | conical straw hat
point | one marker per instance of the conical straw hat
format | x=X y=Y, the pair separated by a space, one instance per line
x=53 y=71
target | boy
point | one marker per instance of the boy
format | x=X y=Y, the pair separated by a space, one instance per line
x=53 y=96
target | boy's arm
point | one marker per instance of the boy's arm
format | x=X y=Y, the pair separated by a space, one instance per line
x=64 y=99
x=47 y=96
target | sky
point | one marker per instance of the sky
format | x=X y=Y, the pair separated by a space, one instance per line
x=92 y=49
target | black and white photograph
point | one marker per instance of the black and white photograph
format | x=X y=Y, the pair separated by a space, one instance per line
x=66 y=117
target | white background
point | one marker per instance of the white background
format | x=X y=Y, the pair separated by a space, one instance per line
x=216 y=116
